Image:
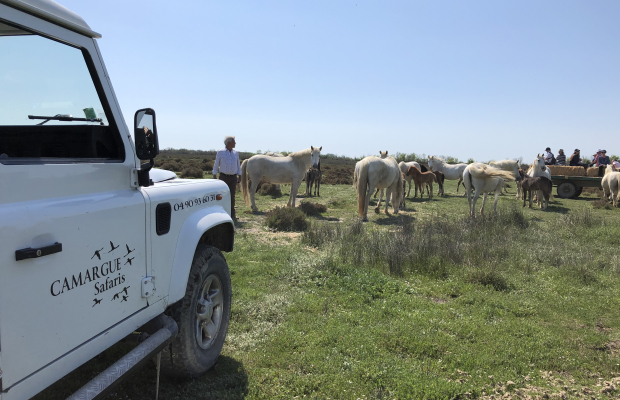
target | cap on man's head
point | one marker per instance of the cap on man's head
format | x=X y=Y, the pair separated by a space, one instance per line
x=577 y=150
x=599 y=150
x=603 y=151
x=548 y=149
x=561 y=151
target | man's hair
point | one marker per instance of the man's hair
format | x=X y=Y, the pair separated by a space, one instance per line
x=227 y=139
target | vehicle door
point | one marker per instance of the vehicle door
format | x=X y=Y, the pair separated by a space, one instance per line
x=72 y=230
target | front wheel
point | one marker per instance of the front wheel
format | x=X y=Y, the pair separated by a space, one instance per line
x=567 y=190
x=202 y=315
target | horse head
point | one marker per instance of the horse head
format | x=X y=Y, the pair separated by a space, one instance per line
x=383 y=153
x=315 y=156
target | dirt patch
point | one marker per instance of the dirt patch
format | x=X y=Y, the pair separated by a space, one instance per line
x=559 y=386
x=613 y=347
x=439 y=300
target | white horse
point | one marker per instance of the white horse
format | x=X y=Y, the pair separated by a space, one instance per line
x=483 y=179
x=538 y=168
x=374 y=172
x=290 y=169
x=451 y=172
x=274 y=154
x=510 y=166
x=611 y=185
x=404 y=167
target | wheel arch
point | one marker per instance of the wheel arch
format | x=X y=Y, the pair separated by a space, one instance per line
x=212 y=226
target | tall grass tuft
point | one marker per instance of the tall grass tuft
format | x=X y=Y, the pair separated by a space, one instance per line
x=584 y=218
x=435 y=247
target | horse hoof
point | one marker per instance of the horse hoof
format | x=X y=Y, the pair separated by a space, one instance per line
x=364 y=219
x=377 y=210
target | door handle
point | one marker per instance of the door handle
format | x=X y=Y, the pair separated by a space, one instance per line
x=29 y=252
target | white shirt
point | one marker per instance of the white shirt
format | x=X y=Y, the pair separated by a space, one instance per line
x=227 y=162
x=548 y=156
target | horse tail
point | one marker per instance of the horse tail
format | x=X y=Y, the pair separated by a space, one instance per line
x=400 y=191
x=355 y=172
x=362 y=184
x=244 y=182
x=483 y=171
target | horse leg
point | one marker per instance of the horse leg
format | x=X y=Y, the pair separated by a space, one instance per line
x=458 y=184
x=378 y=207
x=388 y=196
x=317 y=190
x=430 y=184
x=409 y=192
x=473 y=205
x=484 y=201
x=376 y=192
x=497 y=192
x=253 y=188
x=294 y=188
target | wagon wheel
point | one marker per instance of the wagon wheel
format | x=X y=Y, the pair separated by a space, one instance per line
x=567 y=190
x=579 y=190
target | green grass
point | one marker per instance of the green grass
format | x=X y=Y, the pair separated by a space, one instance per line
x=455 y=309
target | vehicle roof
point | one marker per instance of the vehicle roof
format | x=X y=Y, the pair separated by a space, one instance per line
x=53 y=12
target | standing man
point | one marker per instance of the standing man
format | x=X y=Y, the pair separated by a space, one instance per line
x=228 y=166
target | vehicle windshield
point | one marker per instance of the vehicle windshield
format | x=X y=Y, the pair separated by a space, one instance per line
x=43 y=78
x=50 y=108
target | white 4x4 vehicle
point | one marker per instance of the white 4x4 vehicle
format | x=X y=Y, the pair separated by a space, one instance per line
x=95 y=244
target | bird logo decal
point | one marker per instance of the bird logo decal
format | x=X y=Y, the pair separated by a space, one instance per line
x=128 y=251
x=124 y=299
x=115 y=296
x=112 y=246
x=125 y=290
x=97 y=301
x=97 y=254
x=129 y=260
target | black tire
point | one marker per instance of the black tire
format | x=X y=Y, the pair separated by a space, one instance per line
x=209 y=279
x=566 y=190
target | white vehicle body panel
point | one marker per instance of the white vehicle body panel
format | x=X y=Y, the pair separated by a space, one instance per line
x=53 y=314
x=191 y=194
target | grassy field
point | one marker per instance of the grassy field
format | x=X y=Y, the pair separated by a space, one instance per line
x=424 y=304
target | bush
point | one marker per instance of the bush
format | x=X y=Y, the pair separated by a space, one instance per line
x=310 y=208
x=270 y=189
x=192 y=172
x=602 y=203
x=287 y=219
x=490 y=278
x=170 y=166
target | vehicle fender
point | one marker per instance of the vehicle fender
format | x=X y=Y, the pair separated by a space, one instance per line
x=191 y=232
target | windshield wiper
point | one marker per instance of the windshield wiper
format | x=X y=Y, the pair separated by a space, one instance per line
x=63 y=117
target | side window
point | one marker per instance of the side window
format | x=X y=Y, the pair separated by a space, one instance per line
x=50 y=108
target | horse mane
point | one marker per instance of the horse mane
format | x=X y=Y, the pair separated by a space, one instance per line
x=300 y=153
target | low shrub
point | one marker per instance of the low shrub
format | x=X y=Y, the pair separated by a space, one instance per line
x=287 y=219
x=192 y=172
x=490 y=278
x=602 y=203
x=170 y=166
x=270 y=189
x=310 y=208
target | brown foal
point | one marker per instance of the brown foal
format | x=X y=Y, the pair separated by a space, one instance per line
x=421 y=178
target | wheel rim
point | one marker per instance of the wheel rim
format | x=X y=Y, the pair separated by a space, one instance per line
x=209 y=311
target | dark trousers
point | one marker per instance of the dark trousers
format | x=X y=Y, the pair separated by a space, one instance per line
x=231 y=181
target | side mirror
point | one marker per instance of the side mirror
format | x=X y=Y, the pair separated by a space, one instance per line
x=145 y=133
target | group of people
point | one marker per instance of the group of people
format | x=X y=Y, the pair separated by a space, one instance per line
x=600 y=158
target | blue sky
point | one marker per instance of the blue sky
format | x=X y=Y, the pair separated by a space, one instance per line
x=480 y=79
